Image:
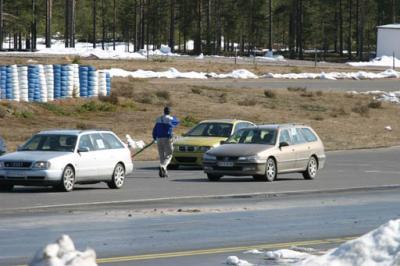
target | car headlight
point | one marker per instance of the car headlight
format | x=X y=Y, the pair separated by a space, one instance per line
x=249 y=158
x=41 y=165
x=204 y=148
x=208 y=157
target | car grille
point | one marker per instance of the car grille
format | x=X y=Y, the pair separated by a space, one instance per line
x=227 y=158
x=186 y=159
x=17 y=164
x=234 y=168
x=187 y=148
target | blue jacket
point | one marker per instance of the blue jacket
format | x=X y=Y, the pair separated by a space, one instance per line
x=164 y=126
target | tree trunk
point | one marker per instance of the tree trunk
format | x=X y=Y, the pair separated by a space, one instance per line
x=103 y=24
x=94 y=23
x=1 y=25
x=171 y=42
x=361 y=23
x=114 y=24
x=34 y=26
x=300 y=29
x=270 y=25
x=49 y=7
x=350 y=40
x=208 y=26
x=197 y=41
x=394 y=17
x=219 y=27
x=292 y=29
x=340 y=28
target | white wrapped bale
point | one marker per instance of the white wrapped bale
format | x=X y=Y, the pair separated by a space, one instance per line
x=15 y=83
x=102 y=83
x=49 y=75
x=23 y=83
x=43 y=85
x=76 y=89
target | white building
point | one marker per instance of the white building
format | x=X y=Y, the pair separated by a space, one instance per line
x=388 y=40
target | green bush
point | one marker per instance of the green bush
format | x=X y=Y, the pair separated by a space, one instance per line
x=374 y=104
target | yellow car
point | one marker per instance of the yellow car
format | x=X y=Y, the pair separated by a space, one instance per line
x=207 y=134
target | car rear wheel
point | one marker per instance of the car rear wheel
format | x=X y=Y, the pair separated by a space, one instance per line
x=67 y=180
x=6 y=187
x=118 y=177
x=270 y=170
x=312 y=168
x=213 y=177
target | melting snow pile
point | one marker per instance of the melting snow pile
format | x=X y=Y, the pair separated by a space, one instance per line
x=384 y=61
x=378 y=247
x=337 y=75
x=392 y=97
x=63 y=253
x=173 y=73
x=233 y=260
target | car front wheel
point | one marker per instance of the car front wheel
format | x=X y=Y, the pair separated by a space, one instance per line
x=67 y=180
x=312 y=168
x=118 y=177
x=213 y=177
x=270 y=170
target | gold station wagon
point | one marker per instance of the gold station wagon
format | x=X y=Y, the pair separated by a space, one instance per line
x=189 y=150
x=266 y=151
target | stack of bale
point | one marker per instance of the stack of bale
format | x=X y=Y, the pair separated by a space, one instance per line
x=43 y=83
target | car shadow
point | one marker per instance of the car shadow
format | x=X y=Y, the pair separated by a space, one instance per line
x=232 y=180
x=28 y=190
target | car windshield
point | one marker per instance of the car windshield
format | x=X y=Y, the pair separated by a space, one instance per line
x=51 y=142
x=211 y=130
x=254 y=136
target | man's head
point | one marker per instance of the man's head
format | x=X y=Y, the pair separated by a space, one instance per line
x=167 y=110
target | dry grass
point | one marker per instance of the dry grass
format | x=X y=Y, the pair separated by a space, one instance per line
x=342 y=122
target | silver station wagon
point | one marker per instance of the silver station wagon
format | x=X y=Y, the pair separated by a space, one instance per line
x=266 y=151
x=62 y=158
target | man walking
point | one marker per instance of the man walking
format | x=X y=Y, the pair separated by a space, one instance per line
x=162 y=134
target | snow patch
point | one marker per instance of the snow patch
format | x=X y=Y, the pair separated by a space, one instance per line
x=233 y=260
x=383 y=96
x=253 y=251
x=378 y=247
x=63 y=253
x=285 y=254
x=384 y=61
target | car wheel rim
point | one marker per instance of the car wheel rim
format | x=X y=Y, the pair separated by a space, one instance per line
x=270 y=169
x=68 y=179
x=119 y=176
x=312 y=167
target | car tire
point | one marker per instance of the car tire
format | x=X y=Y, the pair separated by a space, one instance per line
x=312 y=169
x=67 y=179
x=271 y=170
x=213 y=177
x=6 y=187
x=118 y=177
x=173 y=167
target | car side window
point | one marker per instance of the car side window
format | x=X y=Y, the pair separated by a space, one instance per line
x=308 y=135
x=99 y=142
x=85 y=142
x=296 y=136
x=285 y=137
x=242 y=125
x=112 y=140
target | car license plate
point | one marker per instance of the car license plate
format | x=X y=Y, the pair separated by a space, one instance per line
x=15 y=174
x=225 y=164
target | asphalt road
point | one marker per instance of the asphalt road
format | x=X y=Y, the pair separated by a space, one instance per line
x=345 y=170
x=202 y=234
x=324 y=85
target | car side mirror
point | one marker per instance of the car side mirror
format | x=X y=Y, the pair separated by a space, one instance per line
x=283 y=144
x=84 y=149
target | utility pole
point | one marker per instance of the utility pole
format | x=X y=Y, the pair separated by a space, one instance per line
x=94 y=23
x=49 y=7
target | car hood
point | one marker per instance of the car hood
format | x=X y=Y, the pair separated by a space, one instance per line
x=33 y=155
x=239 y=149
x=199 y=141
